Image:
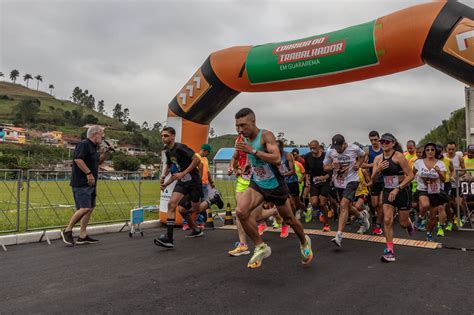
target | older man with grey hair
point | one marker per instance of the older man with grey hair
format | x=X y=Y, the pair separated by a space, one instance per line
x=85 y=170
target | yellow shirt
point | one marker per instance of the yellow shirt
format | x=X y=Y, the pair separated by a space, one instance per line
x=469 y=163
x=362 y=188
x=447 y=162
x=409 y=156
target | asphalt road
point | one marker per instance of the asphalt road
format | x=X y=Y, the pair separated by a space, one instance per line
x=123 y=275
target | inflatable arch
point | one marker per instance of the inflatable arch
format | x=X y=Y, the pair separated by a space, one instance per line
x=440 y=34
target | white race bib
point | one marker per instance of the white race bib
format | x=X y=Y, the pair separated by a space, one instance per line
x=434 y=188
x=340 y=182
x=391 y=182
x=262 y=173
x=186 y=178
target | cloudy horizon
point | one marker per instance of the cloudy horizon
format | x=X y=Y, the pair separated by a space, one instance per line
x=140 y=53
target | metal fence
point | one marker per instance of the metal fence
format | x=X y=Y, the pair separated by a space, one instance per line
x=40 y=200
x=10 y=200
x=465 y=194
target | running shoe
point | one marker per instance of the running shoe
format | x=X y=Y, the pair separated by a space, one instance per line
x=261 y=252
x=330 y=213
x=337 y=240
x=239 y=250
x=285 y=230
x=321 y=218
x=422 y=225
x=449 y=227
x=306 y=251
x=164 y=241
x=86 y=240
x=429 y=237
x=195 y=233
x=440 y=231
x=361 y=230
x=308 y=215
x=67 y=237
x=326 y=228
x=202 y=226
x=377 y=231
x=276 y=225
x=298 y=215
x=388 y=256
x=217 y=200
x=185 y=227
x=366 y=220
x=261 y=228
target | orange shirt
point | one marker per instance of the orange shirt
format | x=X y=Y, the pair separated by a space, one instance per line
x=205 y=169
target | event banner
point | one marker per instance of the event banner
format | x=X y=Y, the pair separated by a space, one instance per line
x=339 y=51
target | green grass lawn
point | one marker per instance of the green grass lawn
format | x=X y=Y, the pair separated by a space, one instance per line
x=51 y=203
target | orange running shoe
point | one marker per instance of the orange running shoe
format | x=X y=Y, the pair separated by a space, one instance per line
x=262 y=228
x=326 y=228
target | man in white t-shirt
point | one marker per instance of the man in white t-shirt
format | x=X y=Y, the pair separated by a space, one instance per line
x=344 y=161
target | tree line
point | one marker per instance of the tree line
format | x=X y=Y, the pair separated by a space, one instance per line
x=14 y=74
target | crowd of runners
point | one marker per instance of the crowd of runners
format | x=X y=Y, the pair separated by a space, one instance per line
x=346 y=182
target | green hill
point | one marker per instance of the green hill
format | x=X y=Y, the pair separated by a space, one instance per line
x=51 y=111
x=451 y=129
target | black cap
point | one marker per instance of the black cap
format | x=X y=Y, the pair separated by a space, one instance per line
x=388 y=137
x=295 y=150
x=337 y=142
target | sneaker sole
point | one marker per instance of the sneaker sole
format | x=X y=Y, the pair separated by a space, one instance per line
x=335 y=242
x=84 y=243
x=383 y=259
x=64 y=239
x=239 y=254
x=310 y=258
x=193 y=236
x=161 y=244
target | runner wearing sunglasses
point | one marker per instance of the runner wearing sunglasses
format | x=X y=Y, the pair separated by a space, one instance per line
x=397 y=176
x=430 y=172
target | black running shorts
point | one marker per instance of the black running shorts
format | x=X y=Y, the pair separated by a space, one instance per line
x=402 y=201
x=191 y=188
x=278 y=195
x=321 y=189
x=348 y=192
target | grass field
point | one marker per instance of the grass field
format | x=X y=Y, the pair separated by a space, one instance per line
x=51 y=202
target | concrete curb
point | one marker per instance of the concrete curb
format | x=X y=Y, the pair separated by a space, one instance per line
x=43 y=236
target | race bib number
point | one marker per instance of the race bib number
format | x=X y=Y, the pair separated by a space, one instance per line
x=262 y=173
x=391 y=181
x=340 y=182
x=434 y=188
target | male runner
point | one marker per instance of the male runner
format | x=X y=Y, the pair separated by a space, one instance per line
x=373 y=151
x=266 y=184
x=189 y=183
x=318 y=180
x=344 y=160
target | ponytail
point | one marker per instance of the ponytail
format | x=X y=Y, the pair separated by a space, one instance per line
x=397 y=147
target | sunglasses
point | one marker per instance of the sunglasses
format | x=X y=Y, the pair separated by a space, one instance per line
x=430 y=150
x=385 y=141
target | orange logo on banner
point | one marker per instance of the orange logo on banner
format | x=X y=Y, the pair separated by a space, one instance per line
x=192 y=91
x=460 y=43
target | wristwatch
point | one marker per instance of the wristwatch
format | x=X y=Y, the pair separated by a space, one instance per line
x=254 y=151
x=87 y=174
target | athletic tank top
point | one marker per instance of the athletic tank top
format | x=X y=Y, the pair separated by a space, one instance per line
x=391 y=173
x=285 y=167
x=264 y=174
x=446 y=162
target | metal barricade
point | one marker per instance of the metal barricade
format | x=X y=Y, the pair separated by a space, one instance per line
x=465 y=196
x=11 y=182
x=50 y=202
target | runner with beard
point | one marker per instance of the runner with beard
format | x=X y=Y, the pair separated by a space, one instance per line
x=344 y=161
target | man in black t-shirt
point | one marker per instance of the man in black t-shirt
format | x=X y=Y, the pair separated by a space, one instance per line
x=318 y=180
x=185 y=161
x=85 y=170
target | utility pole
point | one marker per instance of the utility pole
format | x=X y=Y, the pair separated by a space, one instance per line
x=469 y=92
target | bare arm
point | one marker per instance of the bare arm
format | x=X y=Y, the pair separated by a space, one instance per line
x=291 y=163
x=366 y=164
x=272 y=155
x=82 y=165
x=376 y=170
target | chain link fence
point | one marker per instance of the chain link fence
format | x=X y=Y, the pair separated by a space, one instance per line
x=10 y=200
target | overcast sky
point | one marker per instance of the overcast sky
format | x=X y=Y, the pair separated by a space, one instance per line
x=140 y=53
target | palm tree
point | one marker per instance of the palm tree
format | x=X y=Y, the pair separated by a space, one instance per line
x=51 y=87
x=39 y=78
x=14 y=74
x=1 y=75
x=27 y=77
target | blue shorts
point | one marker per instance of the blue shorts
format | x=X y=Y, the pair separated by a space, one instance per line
x=84 y=197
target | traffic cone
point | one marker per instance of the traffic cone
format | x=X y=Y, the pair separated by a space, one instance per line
x=228 y=216
x=210 y=220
